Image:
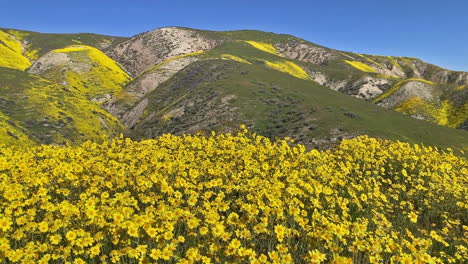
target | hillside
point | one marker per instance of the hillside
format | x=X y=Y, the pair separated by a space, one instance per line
x=84 y=69
x=180 y=80
x=34 y=44
x=36 y=110
x=50 y=91
x=408 y=85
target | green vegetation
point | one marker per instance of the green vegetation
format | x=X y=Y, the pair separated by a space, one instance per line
x=249 y=35
x=258 y=52
x=276 y=104
x=360 y=66
x=444 y=113
x=175 y=58
x=395 y=63
x=11 y=53
x=100 y=74
x=397 y=86
x=244 y=79
x=11 y=134
x=370 y=60
x=49 y=113
x=41 y=43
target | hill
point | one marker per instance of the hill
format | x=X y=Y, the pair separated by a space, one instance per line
x=180 y=80
x=36 y=110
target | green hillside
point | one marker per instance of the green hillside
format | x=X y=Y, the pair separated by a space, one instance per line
x=391 y=82
x=84 y=69
x=38 y=44
x=33 y=109
x=219 y=95
x=79 y=86
x=11 y=53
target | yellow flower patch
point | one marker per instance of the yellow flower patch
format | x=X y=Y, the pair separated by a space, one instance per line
x=443 y=113
x=460 y=88
x=234 y=58
x=397 y=86
x=232 y=198
x=288 y=67
x=266 y=47
x=104 y=72
x=12 y=135
x=360 y=66
x=11 y=53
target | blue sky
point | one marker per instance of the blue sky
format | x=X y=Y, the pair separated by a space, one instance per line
x=435 y=31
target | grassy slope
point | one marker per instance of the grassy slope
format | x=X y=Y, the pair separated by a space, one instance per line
x=11 y=134
x=11 y=53
x=449 y=108
x=41 y=43
x=49 y=113
x=278 y=104
x=267 y=99
x=330 y=107
x=89 y=72
x=273 y=101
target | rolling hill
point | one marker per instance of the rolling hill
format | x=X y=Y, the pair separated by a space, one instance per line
x=59 y=88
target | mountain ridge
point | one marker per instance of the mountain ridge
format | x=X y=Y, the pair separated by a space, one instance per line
x=234 y=30
x=179 y=58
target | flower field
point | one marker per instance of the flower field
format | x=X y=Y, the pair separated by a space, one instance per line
x=233 y=198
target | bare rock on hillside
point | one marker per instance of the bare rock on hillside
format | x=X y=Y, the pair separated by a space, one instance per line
x=153 y=47
x=49 y=61
x=305 y=52
x=369 y=87
x=132 y=116
x=410 y=89
x=152 y=78
x=141 y=86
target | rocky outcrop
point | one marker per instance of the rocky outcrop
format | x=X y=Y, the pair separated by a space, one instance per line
x=461 y=78
x=445 y=76
x=325 y=80
x=151 y=48
x=141 y=86
x=49 y=61
x=305 y=52
x=391 y=70
x=152 y=78
x=410 y=89
x=368 y=87
x=131 y=117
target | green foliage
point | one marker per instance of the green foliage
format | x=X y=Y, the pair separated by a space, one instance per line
x=49 y=113
x=100 y=74
x=11 y=134
x=11 y=53
x=271 y=93
x=276 y=104
x=41 y=43
x=361 y=66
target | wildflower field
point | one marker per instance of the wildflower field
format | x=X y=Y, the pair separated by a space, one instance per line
x=233 y=198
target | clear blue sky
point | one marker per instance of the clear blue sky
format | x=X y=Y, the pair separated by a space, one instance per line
x=435 y=31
